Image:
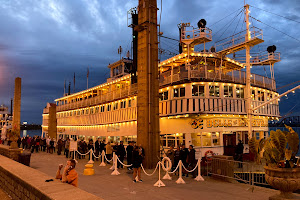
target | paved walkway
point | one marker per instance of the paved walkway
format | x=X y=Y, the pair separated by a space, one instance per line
x=111 y=187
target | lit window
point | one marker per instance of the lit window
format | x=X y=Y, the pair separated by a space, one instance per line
x=228 y=91
x=214 y=91
x=129 y=103
x=198 y=90
x=239 y=92
x=109 y=107
x=163 y=96
x=179 y=92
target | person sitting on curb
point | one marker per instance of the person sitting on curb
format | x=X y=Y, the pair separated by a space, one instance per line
x=69 y=174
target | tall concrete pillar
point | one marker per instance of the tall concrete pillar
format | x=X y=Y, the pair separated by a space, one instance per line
x=16 y=113
x=52 y=123
x=148 y=82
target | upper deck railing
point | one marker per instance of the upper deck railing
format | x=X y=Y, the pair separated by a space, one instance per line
x=231 y=77
x=239 y=39
x=257 y=59
x=110 y=96
x=196 y=33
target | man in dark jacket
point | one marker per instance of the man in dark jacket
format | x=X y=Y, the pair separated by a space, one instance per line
x=184 y=155
x=121 y=153
x=191 y=160
x=97 y=148
x=129 y=150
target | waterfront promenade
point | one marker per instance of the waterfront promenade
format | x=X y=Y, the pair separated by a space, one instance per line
x=111 y=187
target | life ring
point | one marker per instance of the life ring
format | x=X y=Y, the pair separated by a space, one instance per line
x=168 y=164
x=208 y=155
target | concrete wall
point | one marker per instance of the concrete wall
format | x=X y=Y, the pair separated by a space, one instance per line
x=10 y=153
x=25 y=183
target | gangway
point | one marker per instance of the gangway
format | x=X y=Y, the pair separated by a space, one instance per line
x=238 y=41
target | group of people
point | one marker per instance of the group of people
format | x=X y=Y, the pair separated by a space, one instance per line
x=36 y=143
x=186 y=155
x=134 y=153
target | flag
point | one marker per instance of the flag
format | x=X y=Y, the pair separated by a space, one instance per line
x=88 y=73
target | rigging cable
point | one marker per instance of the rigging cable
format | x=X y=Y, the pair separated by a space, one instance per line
x=226 y=16
x=275 y=29
x=275 y=14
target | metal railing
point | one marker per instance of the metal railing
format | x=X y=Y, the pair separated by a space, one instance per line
x=239 y=38
x=243 y=172
x=258 y=58
x=196 y=33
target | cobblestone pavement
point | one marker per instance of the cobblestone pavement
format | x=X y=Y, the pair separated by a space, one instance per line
x=104 y=185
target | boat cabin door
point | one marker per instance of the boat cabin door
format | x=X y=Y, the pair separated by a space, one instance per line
x=229 y=141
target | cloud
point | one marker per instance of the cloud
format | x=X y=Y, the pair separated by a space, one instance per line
x=45 y=42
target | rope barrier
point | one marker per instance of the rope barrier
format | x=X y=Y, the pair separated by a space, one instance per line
x=152 y=172
x=83 y=154
x=191 y=170
x=123 y=163
x=174 y=169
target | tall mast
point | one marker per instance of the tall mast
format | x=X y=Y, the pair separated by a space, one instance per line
x=248 y=74
x=148 y=83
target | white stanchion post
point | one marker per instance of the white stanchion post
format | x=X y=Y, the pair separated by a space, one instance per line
x=159 y=183
x=91 y=157
x=167 y=175
x=74 y=156
x=199 y=177
x=180 y=180
x=115 y=172
x=113 y=159
x=102 y=163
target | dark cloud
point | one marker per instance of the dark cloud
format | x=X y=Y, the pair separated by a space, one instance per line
x=45 y=42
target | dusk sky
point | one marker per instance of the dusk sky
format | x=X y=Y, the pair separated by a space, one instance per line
x=46 y=42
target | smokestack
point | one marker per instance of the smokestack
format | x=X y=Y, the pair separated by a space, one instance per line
x=180 y=45
x=69 y=89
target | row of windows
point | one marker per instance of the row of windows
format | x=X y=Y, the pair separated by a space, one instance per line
x=199 y=90
x=214 y=91
x=102 y=108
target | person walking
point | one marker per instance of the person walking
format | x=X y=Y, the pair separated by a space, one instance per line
x=129 y=150
x=137 y=159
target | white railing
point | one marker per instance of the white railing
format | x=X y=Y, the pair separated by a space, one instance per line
x=196 y=33
x=259 y=58
x=238 y=39
x=110 y=96
x=233 y=77
x=214 y=105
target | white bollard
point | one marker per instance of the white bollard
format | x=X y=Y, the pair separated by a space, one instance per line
x=180 y=180
x=91 y=157
x=167 y=175
x=74 y=156
x=115 y=172
x=102 y=163
x=199 y=177
x=113 y=159
x=159 y=183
